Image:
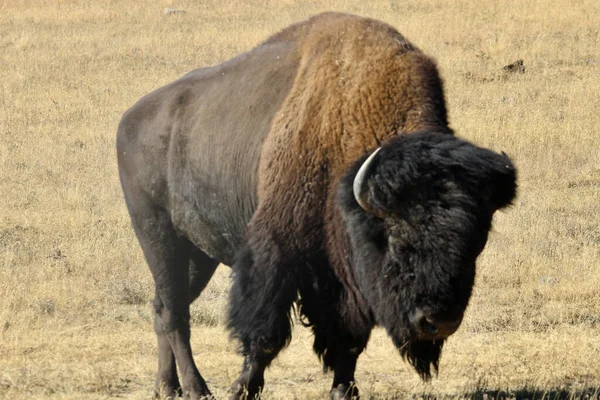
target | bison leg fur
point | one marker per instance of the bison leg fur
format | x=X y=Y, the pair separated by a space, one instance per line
x=201 y=269
x=341 y=354
x=321 y=304
x=344 y=386
x=168 y=257
x=167 y=382
x=175 y=290
x=261 y=297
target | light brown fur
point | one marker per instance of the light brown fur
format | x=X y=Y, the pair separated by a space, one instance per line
x=359 y=83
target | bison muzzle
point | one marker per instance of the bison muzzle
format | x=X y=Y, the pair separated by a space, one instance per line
x=320 y=166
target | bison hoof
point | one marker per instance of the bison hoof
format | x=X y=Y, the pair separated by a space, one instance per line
x=243 y=392
x=345 y=392
x=167 y=393
x=172 y=394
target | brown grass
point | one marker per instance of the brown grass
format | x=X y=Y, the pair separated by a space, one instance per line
x=75 y=315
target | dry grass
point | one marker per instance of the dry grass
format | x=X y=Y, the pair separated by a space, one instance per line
x=75 y=318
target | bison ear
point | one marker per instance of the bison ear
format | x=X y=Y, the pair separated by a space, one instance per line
x=501 y=182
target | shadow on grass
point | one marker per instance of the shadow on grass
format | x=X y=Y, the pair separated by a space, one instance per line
x=589 y=393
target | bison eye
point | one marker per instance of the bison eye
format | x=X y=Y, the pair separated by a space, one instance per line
x=400 y=245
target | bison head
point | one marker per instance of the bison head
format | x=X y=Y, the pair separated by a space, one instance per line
x=417 y=212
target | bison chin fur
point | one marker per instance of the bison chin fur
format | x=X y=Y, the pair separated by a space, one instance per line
x=421 y=355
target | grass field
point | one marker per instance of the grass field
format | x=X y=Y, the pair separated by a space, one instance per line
x=75 y=292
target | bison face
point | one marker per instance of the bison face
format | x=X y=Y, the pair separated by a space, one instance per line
x=417 y=213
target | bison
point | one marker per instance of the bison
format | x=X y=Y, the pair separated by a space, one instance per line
x=321 y=167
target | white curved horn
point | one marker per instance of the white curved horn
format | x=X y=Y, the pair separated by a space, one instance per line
x=359 y=186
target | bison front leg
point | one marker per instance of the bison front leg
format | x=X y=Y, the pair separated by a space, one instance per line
x=339 y=351
x=323 y=304
x=251 y=381
x=343 y=349
x=344 y=386
x=261 y=297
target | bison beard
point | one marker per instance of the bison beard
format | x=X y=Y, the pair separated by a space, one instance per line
x=421 y=355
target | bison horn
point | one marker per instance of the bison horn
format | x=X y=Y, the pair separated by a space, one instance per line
x=360 y=187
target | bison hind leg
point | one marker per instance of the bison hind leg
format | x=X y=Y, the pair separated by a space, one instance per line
x=171 y=258
x=201 y=269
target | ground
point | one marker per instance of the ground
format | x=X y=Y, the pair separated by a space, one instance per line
x=75 y=293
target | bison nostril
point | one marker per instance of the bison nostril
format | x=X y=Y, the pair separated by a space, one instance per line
x=429 y=327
